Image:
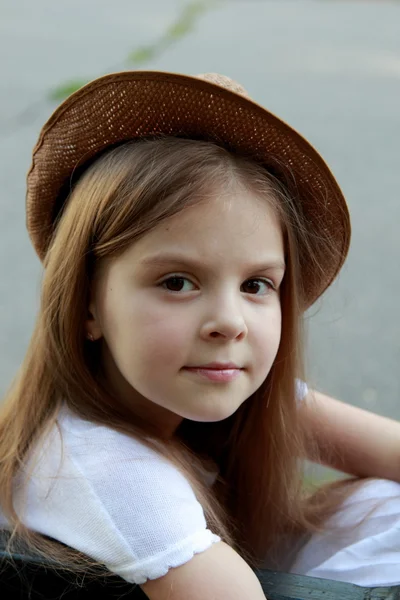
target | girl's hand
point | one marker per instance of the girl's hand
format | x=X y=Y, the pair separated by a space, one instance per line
x=218 y=573
x=351 y=439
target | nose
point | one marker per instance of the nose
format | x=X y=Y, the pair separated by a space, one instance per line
x=226 y=322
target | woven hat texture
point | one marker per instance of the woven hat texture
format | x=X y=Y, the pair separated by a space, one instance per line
x=134 y=104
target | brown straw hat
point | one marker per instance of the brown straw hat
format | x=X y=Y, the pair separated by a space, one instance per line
x=135 y=104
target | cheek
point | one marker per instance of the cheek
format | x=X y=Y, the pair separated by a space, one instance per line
x=150 y=337
x=268 y=336
x=161 y=344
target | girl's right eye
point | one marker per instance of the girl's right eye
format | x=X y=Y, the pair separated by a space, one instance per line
x=177 y=284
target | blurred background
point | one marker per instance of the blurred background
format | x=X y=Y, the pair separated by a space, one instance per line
x=330 y=68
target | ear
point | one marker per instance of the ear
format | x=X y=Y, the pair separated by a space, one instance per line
x=92 y=324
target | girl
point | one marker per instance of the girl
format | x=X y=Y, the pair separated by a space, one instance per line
x=159 y=421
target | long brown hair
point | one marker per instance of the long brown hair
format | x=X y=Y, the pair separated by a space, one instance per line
x=257 y=499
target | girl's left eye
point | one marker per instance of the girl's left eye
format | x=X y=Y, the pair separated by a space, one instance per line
x=178 y=284
x=259 y=287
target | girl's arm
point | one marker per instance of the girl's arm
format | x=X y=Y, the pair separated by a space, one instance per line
x=351 y=439
x=218 y=573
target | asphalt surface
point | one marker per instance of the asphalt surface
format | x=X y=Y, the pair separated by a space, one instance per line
x=329 y=68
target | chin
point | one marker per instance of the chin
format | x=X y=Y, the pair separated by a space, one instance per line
x=212 y=416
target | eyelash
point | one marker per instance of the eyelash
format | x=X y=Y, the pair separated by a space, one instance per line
x=264 y=280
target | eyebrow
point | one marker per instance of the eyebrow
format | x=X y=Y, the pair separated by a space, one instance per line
x=169 y=259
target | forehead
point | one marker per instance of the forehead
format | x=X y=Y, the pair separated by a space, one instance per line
x=238 y=224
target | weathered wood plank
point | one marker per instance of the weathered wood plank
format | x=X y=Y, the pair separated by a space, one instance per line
x=276 y=585
x=284 y=586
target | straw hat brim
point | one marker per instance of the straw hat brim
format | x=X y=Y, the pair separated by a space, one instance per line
x=135 y=104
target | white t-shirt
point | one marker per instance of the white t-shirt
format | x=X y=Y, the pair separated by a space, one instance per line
x=114 y=499
x=360 y=543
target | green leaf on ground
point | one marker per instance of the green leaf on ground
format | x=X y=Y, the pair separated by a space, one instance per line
x=197 y=7
x=188 y=19
x=179 y=29
x=142 y=55
x=66 y=89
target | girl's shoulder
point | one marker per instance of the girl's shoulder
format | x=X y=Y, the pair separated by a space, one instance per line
x=113 y=498
x=82 y=437
x=106 y=461
x=82 y=448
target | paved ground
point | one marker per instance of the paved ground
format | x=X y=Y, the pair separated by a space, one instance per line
x=330 y=68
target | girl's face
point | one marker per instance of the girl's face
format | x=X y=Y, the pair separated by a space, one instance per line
x=190 y=314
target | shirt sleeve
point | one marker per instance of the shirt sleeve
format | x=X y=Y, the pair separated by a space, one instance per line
x=301 y=390
x=119 y=502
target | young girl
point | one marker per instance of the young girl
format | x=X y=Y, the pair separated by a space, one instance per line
x=159 y=422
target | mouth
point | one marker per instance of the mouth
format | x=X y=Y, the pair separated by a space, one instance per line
x=219 y=372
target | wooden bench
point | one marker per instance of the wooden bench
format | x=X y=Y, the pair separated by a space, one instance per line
x=24 y=577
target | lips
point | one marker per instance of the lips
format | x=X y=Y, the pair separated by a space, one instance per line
x=222 y=372
x=218 y=366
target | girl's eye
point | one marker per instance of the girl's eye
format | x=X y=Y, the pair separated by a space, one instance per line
x=178 y=284
x=259 y=287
